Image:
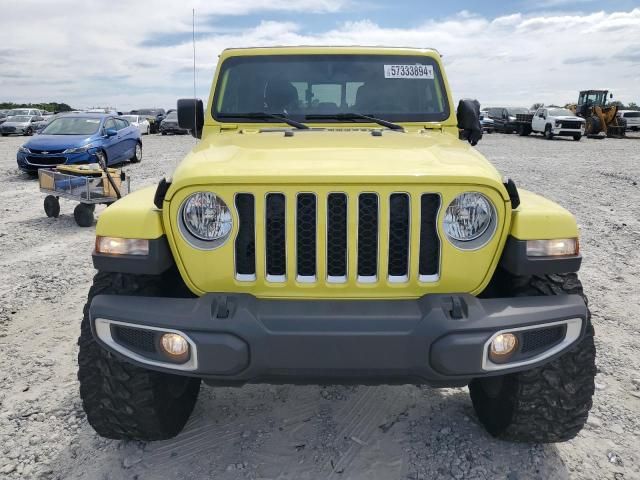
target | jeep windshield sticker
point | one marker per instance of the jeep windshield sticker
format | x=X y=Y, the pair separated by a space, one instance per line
x=409 y=71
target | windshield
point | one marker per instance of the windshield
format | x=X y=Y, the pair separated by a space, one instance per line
x=13 y=113
x=72 y=126
x=391 y=87
x=172 y=116
x=20 y=118
x=130 y=118
x=517 y=110
x=560 y=112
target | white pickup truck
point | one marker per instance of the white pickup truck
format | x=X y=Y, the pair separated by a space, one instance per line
x=553 y=121
x=631 y=118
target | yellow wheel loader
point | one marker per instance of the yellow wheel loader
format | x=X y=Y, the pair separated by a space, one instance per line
x=599 y=117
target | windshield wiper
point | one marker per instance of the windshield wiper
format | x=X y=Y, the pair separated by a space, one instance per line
x=356 y=116
x=264 y=115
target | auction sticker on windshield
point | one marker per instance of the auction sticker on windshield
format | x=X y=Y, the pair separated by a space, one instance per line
x=408 y=71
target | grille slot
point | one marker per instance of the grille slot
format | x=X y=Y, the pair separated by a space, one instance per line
x=570 y=124
x=49 y=152
x=428 y=262
x=399 y=237
x=46 y=160
x=245 y=241
x=337 y=237
x=306 y=222
x=543 y=338
x=134 y=338
x=275 y=230
x=367 y=237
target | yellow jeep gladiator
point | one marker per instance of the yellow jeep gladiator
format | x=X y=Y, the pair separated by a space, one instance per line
x=334 y=225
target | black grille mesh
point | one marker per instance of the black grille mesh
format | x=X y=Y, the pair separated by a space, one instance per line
x=306 y=234
x=533 y=340
x=570 y=124
x=429 y=241
x=46 y=160
x=275 y=232
x=337 y=235
x=367 y=235
x=245 y=241
x=399 y=234
x=134 y=338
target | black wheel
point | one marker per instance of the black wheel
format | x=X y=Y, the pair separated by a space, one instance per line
x=548 y=403
x=548 y=134
x=577 y=137
x=163 y=133
x=28 y=132
x=83 y=213
x=121 y=400
x=524 y=130
x=137 y=155
x=5 y=134
x=51 y=206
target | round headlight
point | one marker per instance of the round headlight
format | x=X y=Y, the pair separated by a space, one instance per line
x=468 y=217
x=207 y=217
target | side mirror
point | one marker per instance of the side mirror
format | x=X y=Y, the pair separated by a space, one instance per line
x=191 y=115
x=469 y=121
x=611 y=95
x=110 y=132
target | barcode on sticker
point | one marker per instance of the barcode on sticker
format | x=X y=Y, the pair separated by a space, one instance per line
x=408 y=71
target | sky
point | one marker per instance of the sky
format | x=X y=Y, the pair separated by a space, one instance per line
x=135 y=54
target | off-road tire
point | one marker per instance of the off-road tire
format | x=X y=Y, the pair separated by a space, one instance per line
x=121 y=400
x=545 y=404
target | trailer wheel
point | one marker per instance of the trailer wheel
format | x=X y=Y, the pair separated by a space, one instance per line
x=51 y=206
x=83 y=213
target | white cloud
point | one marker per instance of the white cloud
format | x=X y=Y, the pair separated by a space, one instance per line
x=91 y=53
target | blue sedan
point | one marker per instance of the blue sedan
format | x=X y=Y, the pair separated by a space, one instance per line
x=81 y=138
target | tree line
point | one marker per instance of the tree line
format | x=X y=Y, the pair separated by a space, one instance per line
x=48 y=106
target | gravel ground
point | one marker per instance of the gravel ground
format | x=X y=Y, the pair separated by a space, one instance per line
x=286 y=432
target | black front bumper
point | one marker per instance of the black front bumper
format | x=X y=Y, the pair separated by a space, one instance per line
x=437 y=339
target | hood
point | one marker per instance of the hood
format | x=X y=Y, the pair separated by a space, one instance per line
x=10 y=123
x=52 y=142
x=334 y=156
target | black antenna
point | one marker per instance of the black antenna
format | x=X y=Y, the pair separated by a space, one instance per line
x=195 y=102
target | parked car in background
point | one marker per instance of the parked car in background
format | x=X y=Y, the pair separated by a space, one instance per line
x=140 y=122
x=46 y=120
x=631 y=117
x=154 y=115
x=81 y=138
x=24 y=111
x=3 y=116
x=170 y=125
x=560 y=122
x=504 y=118
x=486 y=122
x=19 y=125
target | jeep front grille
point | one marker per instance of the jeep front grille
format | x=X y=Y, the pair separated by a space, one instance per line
x=382 y=237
